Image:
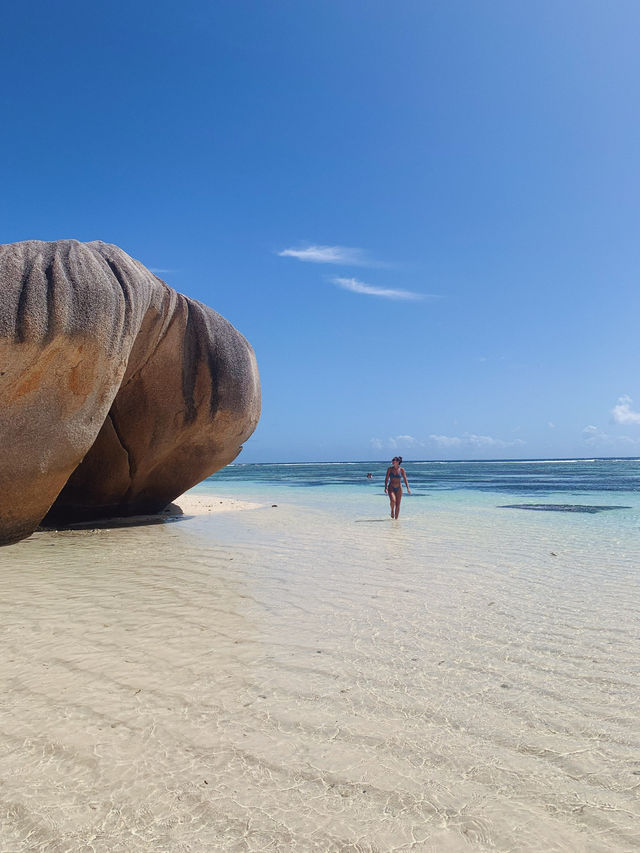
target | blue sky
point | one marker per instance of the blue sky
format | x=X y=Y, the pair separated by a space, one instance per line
x=423 y=215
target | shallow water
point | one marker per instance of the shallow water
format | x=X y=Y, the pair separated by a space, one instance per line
x=314 y=676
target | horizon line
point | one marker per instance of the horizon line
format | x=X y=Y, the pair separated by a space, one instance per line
x=539 y=460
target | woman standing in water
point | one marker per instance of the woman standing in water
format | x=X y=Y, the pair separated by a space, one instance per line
x=393 y=484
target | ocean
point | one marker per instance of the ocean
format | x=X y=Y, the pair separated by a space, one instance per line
x=520 y=478
x=286 y=668
x=570 y=477
x=576 y=486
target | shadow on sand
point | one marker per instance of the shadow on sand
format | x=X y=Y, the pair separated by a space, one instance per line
x=168 y=515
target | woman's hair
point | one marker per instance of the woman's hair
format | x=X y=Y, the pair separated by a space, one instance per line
x=399 y=458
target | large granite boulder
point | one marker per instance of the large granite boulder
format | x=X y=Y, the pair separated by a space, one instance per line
x=116 y=393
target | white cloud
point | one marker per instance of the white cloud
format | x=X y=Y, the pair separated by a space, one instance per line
x=473 y=440
x=594 y=436
x=328 y=255
x=446 y=440
x=551 y=425
x=622 y=412
x=408 y=440
x=395 y=442
x=469 y=440
x=387 y=293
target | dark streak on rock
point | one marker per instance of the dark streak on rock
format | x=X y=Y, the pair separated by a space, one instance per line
x=214 y=370
x=23 y=299
x=51 y=302
x=132 y=464
x=197 y=332
x=119 y=276
x=190 y=363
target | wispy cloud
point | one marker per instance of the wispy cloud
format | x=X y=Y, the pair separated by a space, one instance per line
x=329 y=255
x=473 y=440
x=159 y=271
x=408 y=440
x=596 y=437
x=395 y=442
x=623 y=413
x=467 y=440
x=370 y=290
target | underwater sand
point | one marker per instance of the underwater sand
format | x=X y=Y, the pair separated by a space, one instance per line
x=259 y=678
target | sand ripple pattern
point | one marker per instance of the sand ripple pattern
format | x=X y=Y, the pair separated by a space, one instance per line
x=287 y=680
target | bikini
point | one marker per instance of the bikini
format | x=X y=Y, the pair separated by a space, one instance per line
x=397 y=488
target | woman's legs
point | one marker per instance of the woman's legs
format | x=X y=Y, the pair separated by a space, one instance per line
x=392 y=501
x=398 y=499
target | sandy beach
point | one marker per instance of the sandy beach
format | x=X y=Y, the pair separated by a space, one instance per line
x=201 y=504
x=250 y=677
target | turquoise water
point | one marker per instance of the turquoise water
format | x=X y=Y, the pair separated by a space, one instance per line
x=603 y=492
x=579 y=477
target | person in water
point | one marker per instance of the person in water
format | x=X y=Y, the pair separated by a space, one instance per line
x=393 y=484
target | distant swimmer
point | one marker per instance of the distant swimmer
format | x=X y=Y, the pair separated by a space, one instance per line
x=369 y=476
x=393 y=485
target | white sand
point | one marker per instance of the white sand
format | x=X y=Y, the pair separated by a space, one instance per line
x=283 y=679
x=192 y=503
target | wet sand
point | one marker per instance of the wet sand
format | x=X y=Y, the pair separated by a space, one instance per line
x=254 y=678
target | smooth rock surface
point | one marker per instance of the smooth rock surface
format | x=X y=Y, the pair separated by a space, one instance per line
x=117 y=394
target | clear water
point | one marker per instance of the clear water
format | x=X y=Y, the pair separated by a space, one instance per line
x=522 y=478
x=591 y=487
x=302 y=678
